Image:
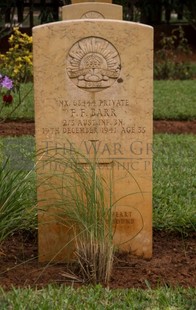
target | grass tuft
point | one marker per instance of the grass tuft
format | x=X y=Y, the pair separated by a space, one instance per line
x=17 y=204
x=80 y=204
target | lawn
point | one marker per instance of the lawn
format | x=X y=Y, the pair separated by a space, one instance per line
x=174 y=182
x=175 y=100
x=98 y=298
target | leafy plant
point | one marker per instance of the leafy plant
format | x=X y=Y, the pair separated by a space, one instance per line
x=17 y=61
x=167 y=64
x=17 y=65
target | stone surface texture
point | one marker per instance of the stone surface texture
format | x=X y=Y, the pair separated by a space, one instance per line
x=92 y=10
x=93 y=82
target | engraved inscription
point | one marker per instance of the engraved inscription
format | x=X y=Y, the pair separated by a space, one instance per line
x=114 y=103
x=123 y=218
x=97 y=116
x=92 y=15
x=93 y=64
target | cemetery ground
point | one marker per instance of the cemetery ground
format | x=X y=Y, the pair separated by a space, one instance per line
x=169 y=277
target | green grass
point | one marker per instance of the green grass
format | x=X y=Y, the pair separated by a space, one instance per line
x=175 y=100
x=17 y=186
x=99 y=298
x=174 y=193
x=173 y=183
x=172 y=100
x=20 y=151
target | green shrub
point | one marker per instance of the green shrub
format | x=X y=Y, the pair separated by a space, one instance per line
x=16 y=64
x=17 y=61
x=167 y=64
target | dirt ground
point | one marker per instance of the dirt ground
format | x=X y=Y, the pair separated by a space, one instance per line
x=174 y=256
x=172 y=264
x=165 y=126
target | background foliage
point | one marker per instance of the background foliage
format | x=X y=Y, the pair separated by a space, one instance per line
x=150 y=12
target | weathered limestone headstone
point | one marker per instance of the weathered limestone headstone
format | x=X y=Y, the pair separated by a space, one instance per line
x=93 y=86
x=92 y=10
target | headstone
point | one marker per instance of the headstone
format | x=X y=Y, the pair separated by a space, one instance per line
x=93 y=82
x=92 y=10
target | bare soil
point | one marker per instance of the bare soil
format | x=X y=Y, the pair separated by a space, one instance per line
x=160 y=126
x=173 y=264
